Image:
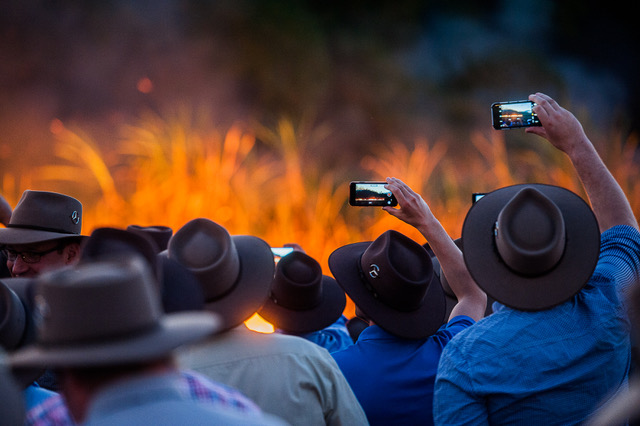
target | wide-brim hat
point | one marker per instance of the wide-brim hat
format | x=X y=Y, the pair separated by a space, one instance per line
x=235 y=272
x=531 y=246
x=106 y=313
x=391 y=279
x=108 y=243
x=17 y=328
x=43 y=216
x=302 y=299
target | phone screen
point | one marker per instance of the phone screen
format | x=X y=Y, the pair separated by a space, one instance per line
x=513 y=114
x=281 y=251
x=476 y=196
x=370 y=194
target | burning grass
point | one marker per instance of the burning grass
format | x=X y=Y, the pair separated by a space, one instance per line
x=264 y=182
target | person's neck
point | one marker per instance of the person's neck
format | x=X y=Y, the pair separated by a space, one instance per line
x=79 y=393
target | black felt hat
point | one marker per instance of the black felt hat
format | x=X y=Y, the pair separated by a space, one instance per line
x=302 y=299
x=391 y=279
x=531 y=246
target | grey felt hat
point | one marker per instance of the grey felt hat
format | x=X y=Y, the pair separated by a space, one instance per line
x=43 y=216
x=234 y=272
x=106 y=313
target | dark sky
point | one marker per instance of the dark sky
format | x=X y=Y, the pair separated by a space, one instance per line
x=372 y=69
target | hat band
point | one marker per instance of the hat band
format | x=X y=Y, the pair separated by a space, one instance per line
x=40 y=228
x=99 y=339
x=399 y=304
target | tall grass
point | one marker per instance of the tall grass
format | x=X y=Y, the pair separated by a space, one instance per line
x=264 y=182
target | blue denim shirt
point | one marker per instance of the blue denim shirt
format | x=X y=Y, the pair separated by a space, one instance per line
x=333 y=338
x=547 y=367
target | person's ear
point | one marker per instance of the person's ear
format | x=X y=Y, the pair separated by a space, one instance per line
x=72 y=253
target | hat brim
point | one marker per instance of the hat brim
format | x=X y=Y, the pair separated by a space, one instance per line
x=417 y=324
x=253 y=284
x=305 y=321
x=172 y=331
x=531 y=293
x=10 y=236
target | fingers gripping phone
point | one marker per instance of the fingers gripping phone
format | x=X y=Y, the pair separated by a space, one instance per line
x=370 y=194
x=513 y=115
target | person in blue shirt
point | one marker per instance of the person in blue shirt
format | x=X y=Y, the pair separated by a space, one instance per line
x=392 y=366
x=303 y=302
x=558 y=342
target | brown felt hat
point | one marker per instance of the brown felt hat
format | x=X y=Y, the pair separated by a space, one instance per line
x=234 y=272
x=391 y=279
x=43 y=216
x=105 y=313
x=302 y=299
x=531 y=246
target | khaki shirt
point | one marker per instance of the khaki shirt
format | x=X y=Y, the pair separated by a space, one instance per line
x=285 y=375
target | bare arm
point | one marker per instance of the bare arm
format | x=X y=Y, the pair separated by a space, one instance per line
x=414 y=210
x=5 y=211
x=564 y=131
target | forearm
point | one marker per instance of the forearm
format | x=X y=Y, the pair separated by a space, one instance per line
x=608 y=201
x=471 y=299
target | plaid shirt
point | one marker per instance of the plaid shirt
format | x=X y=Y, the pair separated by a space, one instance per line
x=53 y=410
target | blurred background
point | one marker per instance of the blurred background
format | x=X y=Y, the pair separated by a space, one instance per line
x=258 y=113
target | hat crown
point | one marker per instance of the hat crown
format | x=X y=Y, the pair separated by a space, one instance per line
x=96 y=302
x=113 y=243
x=208 y=250
x=48 y=211
x=297 y=284
x=397 y=270
x=530 y=233
x=158 y=233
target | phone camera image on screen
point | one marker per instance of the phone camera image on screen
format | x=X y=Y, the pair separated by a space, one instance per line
x=370 y=194
x=513 y=115
x=476 y=196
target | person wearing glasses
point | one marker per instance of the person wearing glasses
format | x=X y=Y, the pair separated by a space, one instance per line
x=42 y=234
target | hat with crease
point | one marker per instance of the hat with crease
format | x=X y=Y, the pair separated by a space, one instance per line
x=105 y=313
x=531 y=246
x=43 y=216
x=391 y=279
x=302 y=300
x=158 y=233
x=234 y=272
x=108 y=243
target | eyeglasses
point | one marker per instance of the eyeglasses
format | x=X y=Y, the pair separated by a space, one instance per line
x=28 y=256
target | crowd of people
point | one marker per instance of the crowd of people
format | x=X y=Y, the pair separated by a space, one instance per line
x=528 y=318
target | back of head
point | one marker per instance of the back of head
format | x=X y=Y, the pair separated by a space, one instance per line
x=234 y=272
x=391 y=279
x=302 y=299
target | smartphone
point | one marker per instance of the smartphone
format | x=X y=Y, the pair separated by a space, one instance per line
x=281 y=251
x=476 y=196
x=370 y=194
x=513 y=115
